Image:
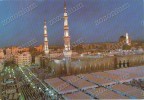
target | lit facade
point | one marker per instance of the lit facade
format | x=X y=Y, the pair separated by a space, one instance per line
x=46 y=49
x=24 y=59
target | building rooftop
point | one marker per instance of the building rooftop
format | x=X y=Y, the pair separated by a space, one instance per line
x=79 y=83
x=129 y=90
x=97 y=80
x=76 y=95
x=101 y=85
x=60 y=86
x=104 y=93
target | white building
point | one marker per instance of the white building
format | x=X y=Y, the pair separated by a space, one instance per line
x=24 y=59
x=8 y=56
x=16 y=58
x=8 y=51
x=14 y=50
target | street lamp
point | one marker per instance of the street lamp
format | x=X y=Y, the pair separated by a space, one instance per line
x=47 y=89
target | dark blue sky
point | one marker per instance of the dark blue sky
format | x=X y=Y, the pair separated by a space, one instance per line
x=81 y=23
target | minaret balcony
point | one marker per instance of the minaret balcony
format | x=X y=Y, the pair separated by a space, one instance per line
x=66 y=27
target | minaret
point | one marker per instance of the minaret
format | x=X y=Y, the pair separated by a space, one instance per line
x=127 y=39
x=46 y=49
x=67 y=50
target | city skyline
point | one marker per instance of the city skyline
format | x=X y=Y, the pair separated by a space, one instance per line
x=31 y=23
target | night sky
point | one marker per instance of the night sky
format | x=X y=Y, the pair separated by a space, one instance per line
x=82 y=24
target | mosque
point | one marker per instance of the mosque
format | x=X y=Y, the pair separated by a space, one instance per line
x=67 y=65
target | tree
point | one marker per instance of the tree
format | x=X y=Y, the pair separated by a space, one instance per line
x=126 y=47
x=10 y=63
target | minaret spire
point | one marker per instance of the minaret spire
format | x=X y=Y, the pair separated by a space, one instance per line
x=64 y=4
x=44 y=21
x=127 y=39
x=46 y=49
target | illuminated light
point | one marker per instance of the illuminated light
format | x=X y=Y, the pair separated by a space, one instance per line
x=50 y=92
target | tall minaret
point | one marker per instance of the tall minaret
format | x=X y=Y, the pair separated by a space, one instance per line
x=67 y=50
x=46 y=49
x=127 y=39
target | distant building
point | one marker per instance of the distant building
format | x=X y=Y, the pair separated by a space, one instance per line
x=39 y=48
x=23 y=50
x=1 y=54
x=24 y=59
x=14 y=50
x=8 y=51
x=16 y=58
x=122 y=38
x=8 y=56
x=126 y=39
x=140 y=51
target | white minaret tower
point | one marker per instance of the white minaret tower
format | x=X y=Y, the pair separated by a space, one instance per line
x=127 y=39
x=46 y=49
x=67 y=50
